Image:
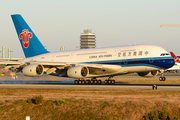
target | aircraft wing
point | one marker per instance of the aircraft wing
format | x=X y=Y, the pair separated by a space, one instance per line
x=94 y=69
x=19 y=64
x=11 y=62
x=51 y=67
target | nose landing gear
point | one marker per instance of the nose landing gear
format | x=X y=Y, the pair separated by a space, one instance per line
x=162 y=78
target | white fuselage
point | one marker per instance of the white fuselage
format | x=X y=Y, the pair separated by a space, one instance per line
x=101 y=54
x=122 y=59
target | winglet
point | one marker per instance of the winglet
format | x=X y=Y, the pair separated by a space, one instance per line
x=175 y=57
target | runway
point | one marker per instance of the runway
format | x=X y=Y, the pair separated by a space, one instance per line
x=70 y=84
x=123 y=82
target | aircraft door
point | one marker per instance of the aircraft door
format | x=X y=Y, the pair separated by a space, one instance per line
x=72 y=55
x=120 y=59
x=53 y=57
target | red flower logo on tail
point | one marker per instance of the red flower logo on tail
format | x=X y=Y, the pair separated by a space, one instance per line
x=25 y=36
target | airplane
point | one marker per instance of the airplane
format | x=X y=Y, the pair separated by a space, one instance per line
x=86 y=65
x=175 y=57
x=176 y=66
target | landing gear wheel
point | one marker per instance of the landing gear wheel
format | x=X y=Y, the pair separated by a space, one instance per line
x=83 y=82
x=76 y=82
x=164 y=78
x=95 y=81
x=87 y=82
x=99 y=81
x=113 y=81
x=92 y=82
x=109 y=81
x=80 y=81
x=160 y=78
x=106 y=82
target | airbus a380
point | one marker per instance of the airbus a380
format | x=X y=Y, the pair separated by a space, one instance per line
x=146 y=60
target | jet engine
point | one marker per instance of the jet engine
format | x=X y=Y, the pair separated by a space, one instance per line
x=78 y=72
x=148 y=74
x=33 y=70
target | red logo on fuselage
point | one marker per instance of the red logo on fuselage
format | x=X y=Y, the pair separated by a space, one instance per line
x=25 y=36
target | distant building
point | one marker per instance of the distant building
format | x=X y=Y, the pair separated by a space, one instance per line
x=9 y=52
x=3 y=52
x=62 y=48
x=87 y=39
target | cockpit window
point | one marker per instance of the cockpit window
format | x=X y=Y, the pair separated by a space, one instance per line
x=163 y=54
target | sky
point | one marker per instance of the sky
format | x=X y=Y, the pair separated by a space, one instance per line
x=59 y=23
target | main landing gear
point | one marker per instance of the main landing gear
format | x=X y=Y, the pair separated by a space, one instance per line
x=94 y=81
x=109 y=81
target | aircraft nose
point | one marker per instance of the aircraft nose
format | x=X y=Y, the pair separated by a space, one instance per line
x=169 y=63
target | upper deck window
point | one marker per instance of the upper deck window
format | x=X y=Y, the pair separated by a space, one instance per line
x=129 y=54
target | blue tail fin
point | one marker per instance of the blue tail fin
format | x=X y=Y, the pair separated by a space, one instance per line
x=29 y=42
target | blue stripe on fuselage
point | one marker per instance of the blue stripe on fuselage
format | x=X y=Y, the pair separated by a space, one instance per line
x=155 y=62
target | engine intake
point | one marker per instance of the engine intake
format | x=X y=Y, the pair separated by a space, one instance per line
x=148 y=74
x=33 y=70
x=78 y=72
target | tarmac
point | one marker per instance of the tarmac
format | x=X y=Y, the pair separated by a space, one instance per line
x=45 y=81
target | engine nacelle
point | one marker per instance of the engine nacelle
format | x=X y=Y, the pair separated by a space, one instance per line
x=148 y=74
x=78 y=72
x=33 y=70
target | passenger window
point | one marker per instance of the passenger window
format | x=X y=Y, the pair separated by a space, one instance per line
x=134 y=54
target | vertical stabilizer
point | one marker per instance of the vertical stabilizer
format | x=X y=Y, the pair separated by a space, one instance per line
x=175 y=57
x=29 y=42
